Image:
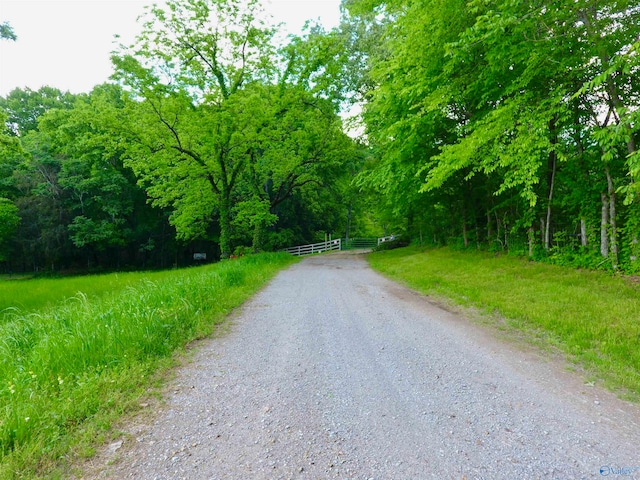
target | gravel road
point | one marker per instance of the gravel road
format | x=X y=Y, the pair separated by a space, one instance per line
x=333 y=372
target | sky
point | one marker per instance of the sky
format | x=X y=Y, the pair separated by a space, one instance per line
x=67 y=44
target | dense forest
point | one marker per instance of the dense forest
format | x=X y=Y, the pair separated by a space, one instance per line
x=510 y=126
x=506 y=124
x=212 y=138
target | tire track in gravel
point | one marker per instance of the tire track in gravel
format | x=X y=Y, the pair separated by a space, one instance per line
x=334 y=372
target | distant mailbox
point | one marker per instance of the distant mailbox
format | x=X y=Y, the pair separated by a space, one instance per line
x=199 y=256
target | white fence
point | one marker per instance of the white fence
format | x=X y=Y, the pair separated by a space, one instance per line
x=386 y=239
x=338 y=244
x=315 y=247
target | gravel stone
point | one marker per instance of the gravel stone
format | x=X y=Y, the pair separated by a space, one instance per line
x=334 y=372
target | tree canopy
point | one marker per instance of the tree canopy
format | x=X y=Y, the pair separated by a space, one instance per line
x=508 y=121
x=491 y=124
x=212 y=134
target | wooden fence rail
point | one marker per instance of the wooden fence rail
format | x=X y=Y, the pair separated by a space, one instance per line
x=315 y=247
x=338 y=244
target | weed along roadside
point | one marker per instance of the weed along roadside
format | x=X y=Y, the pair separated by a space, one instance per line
x=592 y=317
x=68 y=372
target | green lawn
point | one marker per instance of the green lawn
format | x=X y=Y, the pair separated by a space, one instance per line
x=593 y=317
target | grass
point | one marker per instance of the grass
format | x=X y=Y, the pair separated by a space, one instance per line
x=21 y=295
x=70 y=368
x=593 y=317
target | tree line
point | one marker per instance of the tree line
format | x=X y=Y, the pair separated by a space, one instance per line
x=212 y=138
x=491 y=124
x=512 y=125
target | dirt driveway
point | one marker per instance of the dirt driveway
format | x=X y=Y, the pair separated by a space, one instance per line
x=333 y=372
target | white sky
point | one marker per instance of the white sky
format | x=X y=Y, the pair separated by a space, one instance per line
x=67 y=44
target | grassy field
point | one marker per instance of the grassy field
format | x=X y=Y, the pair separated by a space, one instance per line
x=72 y=363
x=593 y=317
x=24 y=295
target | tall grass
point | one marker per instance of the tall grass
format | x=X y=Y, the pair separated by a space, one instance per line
x=592 y=316
x=68 y=370
x=28 y=295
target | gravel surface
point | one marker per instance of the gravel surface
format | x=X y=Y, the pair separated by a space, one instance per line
x=333 y=372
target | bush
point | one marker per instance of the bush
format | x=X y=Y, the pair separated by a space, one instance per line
x=392 y=244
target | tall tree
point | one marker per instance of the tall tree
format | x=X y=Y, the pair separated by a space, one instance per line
x=100 y=192
x=609 y=39
x=299 y=141
x=40 y=199
x=189 y=67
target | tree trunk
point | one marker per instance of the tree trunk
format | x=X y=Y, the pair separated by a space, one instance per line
x=498 y=239
x=604 y=226
x=465 y=235
x=259 y=236
x=225 y=227
x=583 y=232
x=618 y=106
x=613 y=238
x=531 y=240
x=634 y=249
x=547 y=229
x=349 y=223
x=552 y=179
x=505 y=224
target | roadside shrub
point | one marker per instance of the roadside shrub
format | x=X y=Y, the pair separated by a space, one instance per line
x=392 y=244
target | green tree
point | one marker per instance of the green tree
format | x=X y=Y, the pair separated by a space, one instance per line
x=43 y=237
x=188 y=69
x=230 y=135
x=26 y=106
x=10 y=153
x=9 y=221
x=299 y=141
x=98 y=192
x=514 y=99
x=411 y=110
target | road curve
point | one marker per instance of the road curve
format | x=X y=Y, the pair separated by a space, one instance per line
x=334 y=372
